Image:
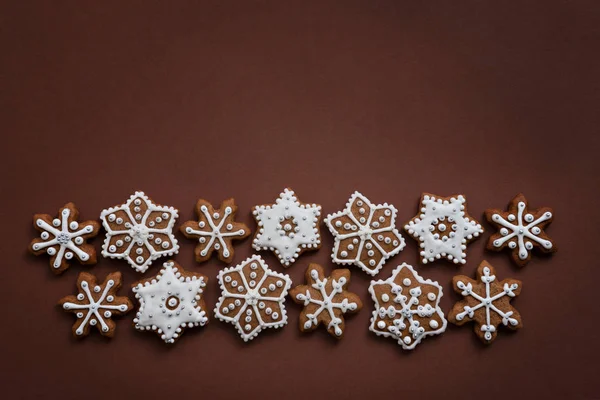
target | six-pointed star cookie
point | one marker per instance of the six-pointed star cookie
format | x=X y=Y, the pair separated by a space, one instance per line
x=252 y=297
x=521 y=230
x=139 y=231
x=325 y=300
x=96 y=304
x=444 y=228
x=486 y=302
x=365 y=234
x=215 y=230
x=170 y=302
x=407 y=307
x=287 y=227
x=64 y=238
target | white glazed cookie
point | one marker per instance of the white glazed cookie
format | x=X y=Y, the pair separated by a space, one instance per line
x=170 y=302
x=407 y=307
x=252 y=297
x=288 y=227
x=365 y=234
x=139 y=231
x=443 y=228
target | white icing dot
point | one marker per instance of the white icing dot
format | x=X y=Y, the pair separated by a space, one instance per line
x=372 y=263
x=385 y=297
x=56 y=222
x=80 y=296
x=271 y=287
x=406 y=282
x=275 y=315
x=97 y=289
x=407 y=339
x=68 y=255
x=110 y=299
x=338 y=223
x=119 y=221
x=73 y=225
x=79 y=240
x=433 y=324
x=431 y=296
x=137 y=202
x=165 y=215
x=112 y=217
x=165 y=245
x=381 y=325
x=139 y=260
x=344 y=254
x=139 y=251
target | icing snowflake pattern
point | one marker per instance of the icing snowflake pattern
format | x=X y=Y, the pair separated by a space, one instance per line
x=252 y=297
x=170 y=302
x=365 y=235
x=520 y=230
x=139 y=231
x=96 y=304
x=287 y=227
x=444 y=228
x=407 y=307
x=63 y=238
x=215 y=230
x=325 y=300
x=486 y=302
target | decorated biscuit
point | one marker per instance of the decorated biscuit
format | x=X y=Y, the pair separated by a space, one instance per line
x=325 y=300
x=215 y=230
x=170 y=302
x=486 y=302
x=288 y=227
x=64 y=238
x=252 y=297
x=521 y=230
x=95 y=305
x=365 y=234
x=139 y=231
x=443 y=228
x=407 y=307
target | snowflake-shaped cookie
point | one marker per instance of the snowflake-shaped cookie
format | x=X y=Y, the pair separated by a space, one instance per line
x=365 y=234
x=287 y=227
x=215 y=230
x=521 y=230
x=486 y=302
x=96 y=304
x=407 y=307
x=252 y=297
x=444 y=228
x=325 y=300
x=64 y=238
x=139 y=231
x=170 y=302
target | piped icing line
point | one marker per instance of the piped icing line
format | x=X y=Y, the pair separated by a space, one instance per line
x=443 y=228
x=407 y=320
x=170 y=302
x=364 y=234
x=144 y=231
x=63 y=238
x=252 y=297
x=288 y=227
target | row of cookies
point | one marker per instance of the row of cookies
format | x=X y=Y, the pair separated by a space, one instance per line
x=253 y=298
x=365 y=234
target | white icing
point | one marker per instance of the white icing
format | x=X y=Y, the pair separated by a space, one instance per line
x=140 y=232
x=326 y=303
x=248 y=300
x=94 y=307
x=287 y=227
x=366 y=232
x=525 y=227
x=487 y=302
x=68 y=237
x=403 y=308
x=170 y=302
x=449 y=218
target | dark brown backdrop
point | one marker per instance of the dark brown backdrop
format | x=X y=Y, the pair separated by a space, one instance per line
x=186 y=100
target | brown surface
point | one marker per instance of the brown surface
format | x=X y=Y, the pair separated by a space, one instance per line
x=241 y=100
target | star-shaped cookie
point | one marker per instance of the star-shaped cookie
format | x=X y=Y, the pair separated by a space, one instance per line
x=325 y=300
x=215 y=230
x=443 y=228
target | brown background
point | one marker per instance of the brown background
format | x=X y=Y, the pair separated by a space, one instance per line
x=186 y=100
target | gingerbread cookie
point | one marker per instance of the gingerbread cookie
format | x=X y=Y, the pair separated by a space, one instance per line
x=96 y=304
x=139 y=231
x=215 y=230
x=64 y=238
x=444 y=228
x=325 y=300
x=521 y=230
x=170 y=302
x=288 y=227
x=252 y=297
x=407 y=307
x=486 y=302
x=365 y=234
